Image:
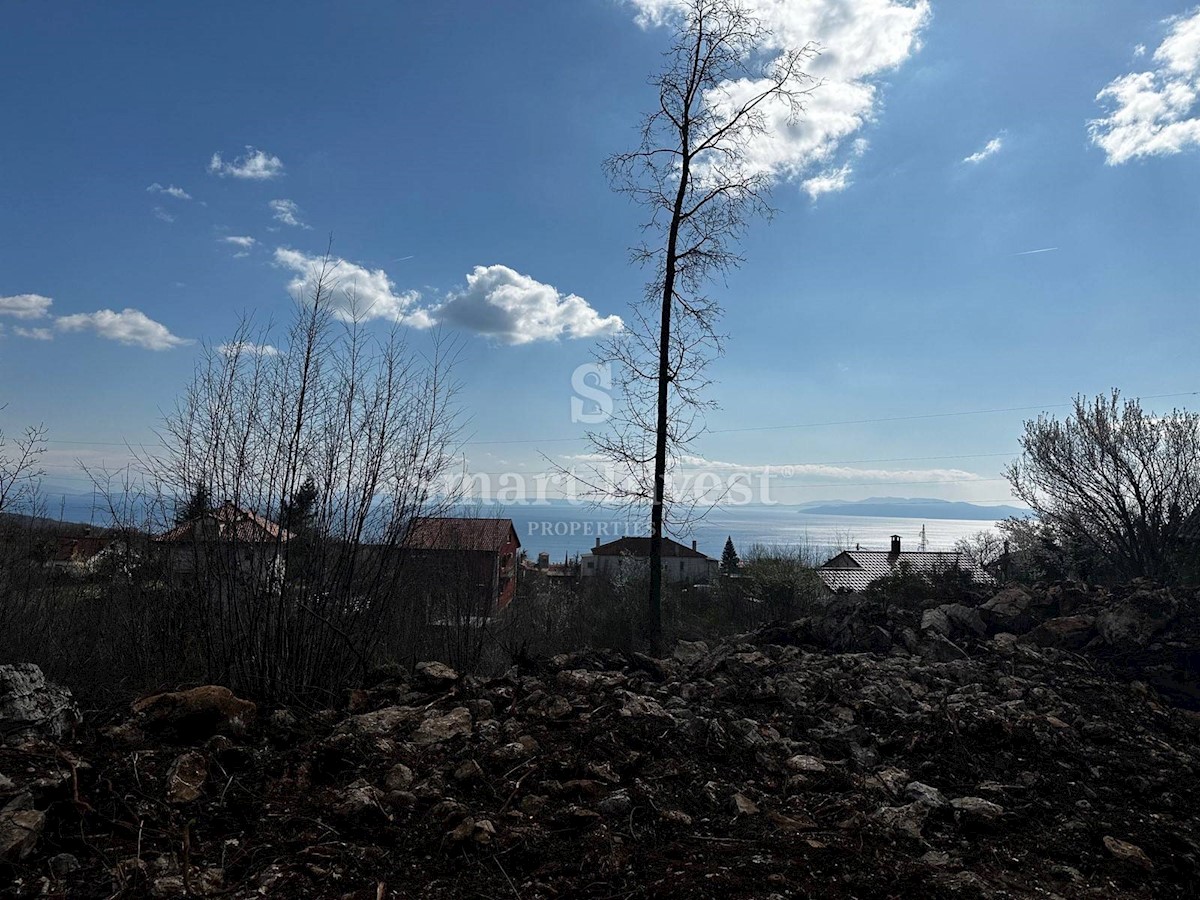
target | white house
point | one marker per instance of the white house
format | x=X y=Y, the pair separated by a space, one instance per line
x=630 y=555
x=852 y=570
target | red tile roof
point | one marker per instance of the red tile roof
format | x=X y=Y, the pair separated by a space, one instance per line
x=79 y=549
x=446 y=533
x=232 y=524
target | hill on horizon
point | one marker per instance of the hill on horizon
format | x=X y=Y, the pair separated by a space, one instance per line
x=913 y=508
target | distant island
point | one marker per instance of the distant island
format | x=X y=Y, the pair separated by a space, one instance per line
x=912 y=508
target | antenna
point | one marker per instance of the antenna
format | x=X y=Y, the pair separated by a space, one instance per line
x=924 y=544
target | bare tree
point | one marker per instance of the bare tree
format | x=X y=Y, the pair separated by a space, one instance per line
x=983 y=548
x=20 y=464
x=1117 y=479
x=696 y=174
x=359 y=425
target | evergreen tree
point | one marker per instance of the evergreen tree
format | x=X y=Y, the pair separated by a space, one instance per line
x=195 y=506
x=297 y=513
x=730 y=564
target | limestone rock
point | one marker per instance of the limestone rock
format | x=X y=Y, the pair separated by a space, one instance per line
x=30 y=706
x=1127 y=852
x=436 y=729
x=186 y=777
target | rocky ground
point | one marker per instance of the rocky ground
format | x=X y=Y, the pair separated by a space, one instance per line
x=1014 y=748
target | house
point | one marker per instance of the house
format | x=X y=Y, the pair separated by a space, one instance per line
x=229 y=539
x=84 y=555
x=477 y=556
x=852 y=570
x=563 y=573
x=628 y=555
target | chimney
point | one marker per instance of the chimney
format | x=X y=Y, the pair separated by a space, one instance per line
x=597 y=541
x=543 y=562
x=895 y=545
x=693 y=545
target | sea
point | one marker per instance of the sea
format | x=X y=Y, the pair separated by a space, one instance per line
x=564 y=530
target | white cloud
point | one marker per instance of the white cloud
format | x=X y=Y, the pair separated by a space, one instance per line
x=1155 y=113
x=163 y=215
x=287 y=212
x=130 y=326
x=25 y=306
x=834 y=472
x=1139 y=51
x=256 y=165
x=356 y=290
x=991 y=148
x=247 y=348
x=860 y=40
x=36 y=334
x=828 y=182
x=171 y=191
x=243 y=242
x=517 y=309
x=497 y=301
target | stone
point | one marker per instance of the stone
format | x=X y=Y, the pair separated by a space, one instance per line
x=940 y=649
x=924 y=794
x=437 y=729
x=186 y=777
x=618 y=803
x=282 y=721
x=435 y=675
x=30 y=706
x=689 y=652
x=743 y=805
x=381 y=722
x=908 y=819
x=461 y=831
x=964 y=620
x=1132 y=622
x=1127 y=852
x=803 y=763
x=558 y=708
x=675 y=817
x=1065 y=632
x=194 y=714
x=400 y=778
x=481 y=710
x=468 y=771
x=19 y=832
x=359 y=800
x=63 y=864
x=1008 y=610
x=636 y=706
x=936 y=621
x=976 y=809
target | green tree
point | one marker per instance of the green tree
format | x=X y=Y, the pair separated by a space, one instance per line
x=197 y=504
x=297 y=513
x=730 y=564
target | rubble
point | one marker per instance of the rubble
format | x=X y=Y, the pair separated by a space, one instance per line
x=1034 y=762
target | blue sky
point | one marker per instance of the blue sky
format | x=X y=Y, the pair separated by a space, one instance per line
x=166 y=168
